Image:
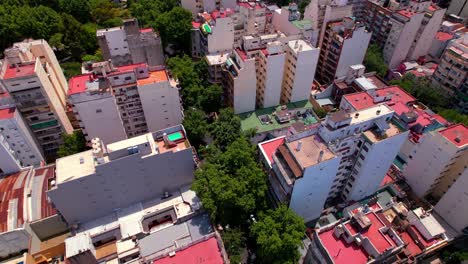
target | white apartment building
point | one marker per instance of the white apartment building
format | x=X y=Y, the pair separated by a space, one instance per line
x=115 y=103
x=344 y=44
x=17 y=145
x=240 y=82
x=117 y=175
x=437 y=161
x=299 y=73
x=346 y=157
x=200 y=6
x=412 y=32
x=269 y=77
x=33 y=78
x=453 y=204
x=129 y=44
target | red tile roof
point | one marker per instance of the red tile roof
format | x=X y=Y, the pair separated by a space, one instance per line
x=270 y=147
x=21 y=70
x=363 y=100
x=195 y=24
x=218 y=14
x=77 y=84
x=406 y=13
x=206 y=252
x=457 y=134
x=341 y=252
x=12 y=189
x=248 y=5
x=7 y=113
x=444 y=36
x=242 y=54
x=359 y=101
x=47 y=209
x=131 y=67
x=380 y=241
x=398 y=94
x=387 y=179
x=146 y=30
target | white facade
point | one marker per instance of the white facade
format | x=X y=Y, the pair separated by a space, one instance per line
x=161 y=104
x=453 y=206
x=120 y=174
x=194 y=6
x=269 y=77
x=427 y=33
x=311 y=191
x=401 y=37
x=221 y=38
x=116 y=39
x=300 y=71
x=353 y=51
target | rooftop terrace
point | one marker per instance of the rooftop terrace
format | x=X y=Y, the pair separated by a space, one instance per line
x=19 y=70
x=310 y=151
x=340 y=251
x=457 y=134
x=206 y=252
x=7 y=113
x=263 y=120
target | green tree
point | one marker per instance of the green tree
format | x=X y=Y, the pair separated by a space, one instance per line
x=71 y=69
x=454 y=116
x=232 y=186
x=107 y=14
x=80 y=9
x=226 y=129
x=183 y=68
x=147 y=11
x=278 y=235
x=210 y=98
x=374 y=61
x=72 y=144
x=175 y=27
x=234 y=242
x=196 y=125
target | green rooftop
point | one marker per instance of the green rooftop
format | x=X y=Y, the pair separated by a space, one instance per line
x=251 y=120
x=301 y=24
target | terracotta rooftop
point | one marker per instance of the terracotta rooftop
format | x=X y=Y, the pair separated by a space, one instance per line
x=311 y=152
x=361 y=100
x=77 y=84
x=7 y=113
x=21 y=70
x=131 y=67
x=250 y=5
x=457 y=134
x=154 y=77
x=443 y=36
x=221 y=14
x=206 y=252
x=269 y=147
x=406 y=13
x=342 y=252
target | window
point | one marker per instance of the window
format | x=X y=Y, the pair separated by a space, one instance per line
x=128 y=78
x=32 y=157
x=99 y=110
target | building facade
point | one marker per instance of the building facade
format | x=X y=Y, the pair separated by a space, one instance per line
x=129 y=44
x=34 y=80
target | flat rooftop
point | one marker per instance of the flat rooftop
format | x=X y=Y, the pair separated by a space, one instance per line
x=299 y=46
x=457 y=134
x=363 y=100
x=341 y=252
x=154 y=77
x=217 y=59
x=269 y=147
x=7 y=113
x=370 y=113
x=263 y=120
x=20 y=70
x=206 y=252
x=75 y=166
x=77 y=84
x=380 y=241
x=390 y=132
x=312 y=151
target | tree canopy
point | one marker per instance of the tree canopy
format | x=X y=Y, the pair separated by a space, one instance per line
x=72 y=144
x=232 y=186
x=226 y=129
x=374 y=61
x=196 y=125
x=278 y=235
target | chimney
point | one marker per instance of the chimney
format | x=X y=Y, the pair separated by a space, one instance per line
x=320 y=156
x=378 y=112
x=299 y=145
x=356 y=115
x=457 y=139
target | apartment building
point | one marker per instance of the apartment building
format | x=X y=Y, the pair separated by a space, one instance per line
x=104 y=178
x=451 y=74
x=115 y=103
x=299 y=71
x=200 y=6
x=254 y=17
x=345 y=158
x=412 y=32
x=377 y=20
x=344 y=44
x=34 y=80
x=129 y=44
x=18 y=147
x=452 y=205
x=458 y=8
x=269 y=77
x=25 y=207
x=443 y=153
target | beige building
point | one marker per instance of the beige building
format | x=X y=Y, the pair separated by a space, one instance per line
x=115 y=103
x=452 y=73
x=32 y=76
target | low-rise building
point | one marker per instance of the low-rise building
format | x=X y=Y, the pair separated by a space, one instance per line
x=129 y=44
x=115 y=103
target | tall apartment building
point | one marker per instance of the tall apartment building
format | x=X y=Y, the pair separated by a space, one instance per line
x=451 y=74
x=453 y=204
x=377 y=20
x=458 y=8
x=33 y=78
x=412 y=32
x=129 y=44
x=271 y=62
x=346 y=158
x=115 y=103
x=437 y=162
x=18 y=147
x=117 y=175
x=344 y=44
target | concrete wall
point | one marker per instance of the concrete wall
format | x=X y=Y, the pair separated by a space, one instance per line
x=427 y=36
x=193 y=6
x=306 y=65
x=101 y=118
x=377 y=161
x=273 y=79
x=245 y=87
x=222 y=37
x=353 y=51
x=8 y=163
x=121 y=182
x=13 y=242
x=161 y=105
x=310 y=192
x=453 y=206
x=458 y=8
